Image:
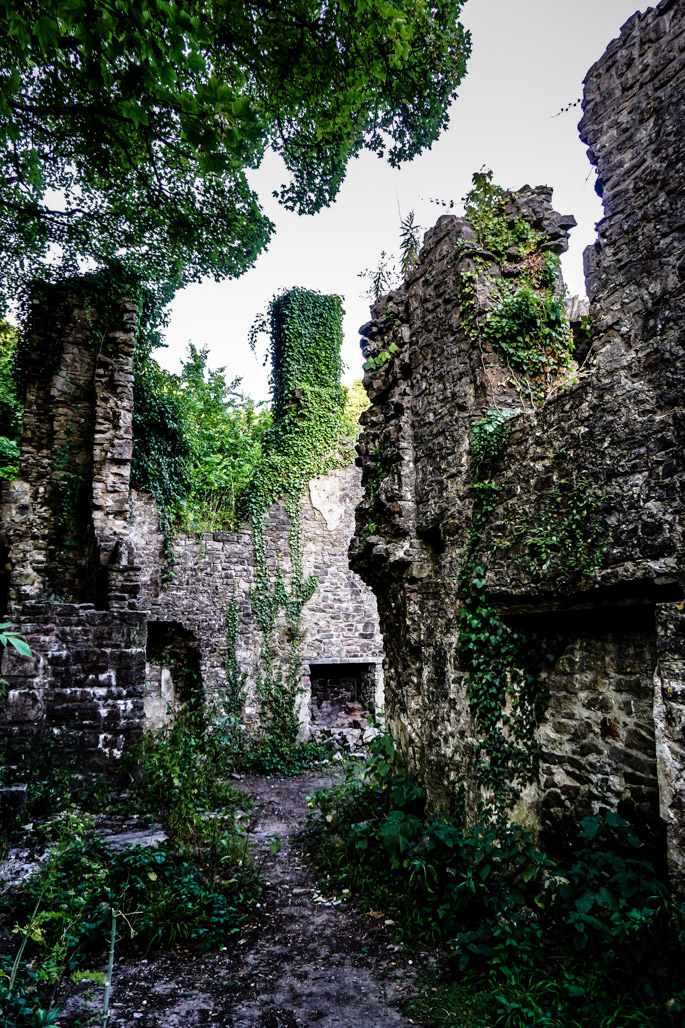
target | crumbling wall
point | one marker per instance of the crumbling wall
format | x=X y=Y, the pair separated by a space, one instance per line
x=71 y=584
x=634 y=124
x=583 y=546
x=64 y=514
x=86 y=565
x=340 y=621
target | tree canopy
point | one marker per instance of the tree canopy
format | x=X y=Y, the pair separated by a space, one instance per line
x=127 y=130
x=203 y=448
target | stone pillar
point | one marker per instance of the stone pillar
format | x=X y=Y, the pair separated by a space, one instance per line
x=669 y=727
x=113 y=431
x=64 y=513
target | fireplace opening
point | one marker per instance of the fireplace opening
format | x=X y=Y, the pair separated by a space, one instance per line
x=344 y=698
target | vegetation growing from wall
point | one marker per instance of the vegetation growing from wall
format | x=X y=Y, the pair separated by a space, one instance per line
x=277 y=607
x=531 y=331
x=311 y=434
x=485 y=208
x=532 y=942
x=391 y=271
x=11 y=410
x=563 y=537
x=210 y=456
x=503 y=665
x=526 y=323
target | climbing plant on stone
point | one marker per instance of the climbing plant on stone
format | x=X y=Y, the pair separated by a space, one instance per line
x=485 y=208
x=530 y=330
x=563 y=537
x=503 y=665
x=518 y=310
x=309 y=436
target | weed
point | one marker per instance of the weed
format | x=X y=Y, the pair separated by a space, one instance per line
x=196 y=890
x=595 y=940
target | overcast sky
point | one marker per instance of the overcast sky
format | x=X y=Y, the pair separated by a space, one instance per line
x=528 y=62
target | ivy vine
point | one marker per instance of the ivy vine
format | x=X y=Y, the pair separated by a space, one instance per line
x=310 y=435
x=564 y=537
x=503 y=665
x=528 y=325
x=530 y=330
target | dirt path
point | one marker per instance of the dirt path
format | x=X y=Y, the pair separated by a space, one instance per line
x=302 y=962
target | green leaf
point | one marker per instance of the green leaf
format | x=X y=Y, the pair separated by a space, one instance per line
x=591 y=826
x=149 y=85
x=20 y=645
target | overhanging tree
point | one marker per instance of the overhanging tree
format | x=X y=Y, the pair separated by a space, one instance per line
x=127 y=129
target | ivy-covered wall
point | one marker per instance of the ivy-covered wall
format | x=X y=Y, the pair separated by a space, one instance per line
x=340 y=621
x=118 y=625
x=522 y=524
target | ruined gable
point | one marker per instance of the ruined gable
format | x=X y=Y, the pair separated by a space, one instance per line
x=119 y=644
x=582 y=545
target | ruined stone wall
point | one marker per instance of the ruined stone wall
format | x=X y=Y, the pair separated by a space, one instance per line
x=608 y=449
x=597 y=748
x=113 y=648
x=340 y=621
x=63 y=522
x=63 y=515
x=81 y=696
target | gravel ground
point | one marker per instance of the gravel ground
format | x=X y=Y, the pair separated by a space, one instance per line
x=304 y=960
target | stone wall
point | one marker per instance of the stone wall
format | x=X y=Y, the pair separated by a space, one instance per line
x=340 y=621
x=63 y=524
x=64 y=514
x=113 y=648
x=82 y=693
x=608 y=448
x=597 y=736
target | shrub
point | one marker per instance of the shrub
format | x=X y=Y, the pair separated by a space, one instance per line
x=507 y=912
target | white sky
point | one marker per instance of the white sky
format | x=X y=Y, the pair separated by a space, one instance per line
x=528 y=61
